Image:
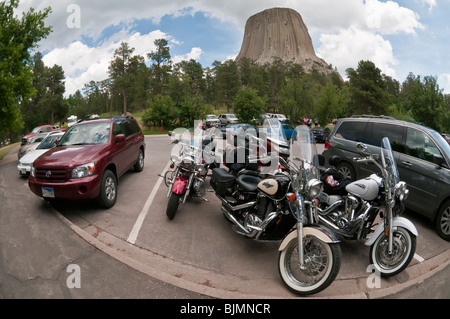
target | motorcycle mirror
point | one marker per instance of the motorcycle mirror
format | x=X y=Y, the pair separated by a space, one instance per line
x=361 y=147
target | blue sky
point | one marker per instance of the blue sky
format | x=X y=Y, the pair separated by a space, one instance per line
x=399 y=36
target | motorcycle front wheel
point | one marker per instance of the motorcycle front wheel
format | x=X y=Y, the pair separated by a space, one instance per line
x=321 y=266
x=403 y=249
x=172 y=205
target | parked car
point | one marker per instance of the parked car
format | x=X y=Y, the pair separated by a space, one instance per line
x=47 y=143
x=280 y=117
x=446 y=137
x=71 y=120
x=89 y=160
x=232 y=130
x=321 y=133
x=211 y=120
x=228 y=118
x=31 y=145
x=288 y=130
x=422 y=156
x=37 y=130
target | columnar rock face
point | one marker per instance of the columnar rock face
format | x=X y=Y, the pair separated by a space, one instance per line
x=280 y=33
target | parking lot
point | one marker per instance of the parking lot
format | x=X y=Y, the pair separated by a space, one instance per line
x=200 y=252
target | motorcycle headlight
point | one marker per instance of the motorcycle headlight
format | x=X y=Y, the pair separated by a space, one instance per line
x=83 y=170
x=401 y=191
x=175 y=159
x=314 y=188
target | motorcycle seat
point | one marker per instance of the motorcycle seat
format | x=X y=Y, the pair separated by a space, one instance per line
x=248 y=183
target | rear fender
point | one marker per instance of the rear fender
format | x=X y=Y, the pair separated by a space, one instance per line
x=322 y=233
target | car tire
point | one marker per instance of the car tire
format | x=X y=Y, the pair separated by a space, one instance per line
x=139 y=165
x=347 y=170
x=108 y=190
x=443 y=221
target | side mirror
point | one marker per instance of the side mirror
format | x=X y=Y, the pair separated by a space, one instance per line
x=439 y=160
x=119 y=138
x=361 y=147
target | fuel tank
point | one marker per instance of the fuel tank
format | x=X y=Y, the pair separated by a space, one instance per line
x=366 y=189
x=275 y=187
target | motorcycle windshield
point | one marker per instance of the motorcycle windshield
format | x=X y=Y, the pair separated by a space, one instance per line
x=388 y=161
x=184 y=149
x=275 y=132
x=303 y=150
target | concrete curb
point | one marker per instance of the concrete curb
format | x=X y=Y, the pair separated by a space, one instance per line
x=210 y=283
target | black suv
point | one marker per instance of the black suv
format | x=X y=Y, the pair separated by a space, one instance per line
x=422 y=156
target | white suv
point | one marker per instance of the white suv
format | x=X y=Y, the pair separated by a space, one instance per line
x=228 y=118
x=279 y=117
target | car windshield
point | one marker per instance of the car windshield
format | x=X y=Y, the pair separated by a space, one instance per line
x=211 y=117
x=49 y=142
x=38 y=138
x=92 y=133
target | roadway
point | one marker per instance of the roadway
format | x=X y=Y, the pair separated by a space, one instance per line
x=196 y=255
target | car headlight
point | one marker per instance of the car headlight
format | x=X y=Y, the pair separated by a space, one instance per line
x=401 y=191
x=313 y=188
x=83 y=171
x=33 y=171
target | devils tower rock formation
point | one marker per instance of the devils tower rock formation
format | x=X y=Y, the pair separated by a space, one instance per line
x=280 y=33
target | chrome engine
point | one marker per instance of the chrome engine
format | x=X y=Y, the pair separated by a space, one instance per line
x=342 y=214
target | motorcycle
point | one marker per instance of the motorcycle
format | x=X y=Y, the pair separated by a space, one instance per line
x=354 y=215
x=282 y=207
x=242 y=146
x=188 y=170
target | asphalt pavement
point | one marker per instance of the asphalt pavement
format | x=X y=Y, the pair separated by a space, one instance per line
x=76 y=252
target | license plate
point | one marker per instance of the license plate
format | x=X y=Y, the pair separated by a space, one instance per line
x=23 y=171
x=48 y=192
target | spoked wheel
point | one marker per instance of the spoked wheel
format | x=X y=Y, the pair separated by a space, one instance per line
x=321 y=266
x=390 y=264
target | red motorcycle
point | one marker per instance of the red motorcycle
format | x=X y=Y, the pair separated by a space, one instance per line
x=186 y=179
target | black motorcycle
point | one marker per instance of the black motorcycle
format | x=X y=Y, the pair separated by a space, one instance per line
x=282 y=206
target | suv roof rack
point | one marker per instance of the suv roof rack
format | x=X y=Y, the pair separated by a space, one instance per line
x=374 y=116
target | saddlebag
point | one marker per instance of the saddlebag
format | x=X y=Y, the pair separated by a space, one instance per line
x=221 y=181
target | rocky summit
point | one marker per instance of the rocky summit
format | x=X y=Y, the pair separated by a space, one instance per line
x=280 y=33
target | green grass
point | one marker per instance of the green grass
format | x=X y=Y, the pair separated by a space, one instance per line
x=5 y=150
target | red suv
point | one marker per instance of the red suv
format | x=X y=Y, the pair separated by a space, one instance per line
x=88 y=161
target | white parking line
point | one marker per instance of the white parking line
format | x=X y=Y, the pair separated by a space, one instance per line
x=418 y=258
x=137 y=226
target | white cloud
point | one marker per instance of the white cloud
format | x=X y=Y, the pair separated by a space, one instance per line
x=83 y=64
x=195 y=54
x=430 y=3
x=389 y=18
x=349 y=30
x=444 y=82
x=346 y=48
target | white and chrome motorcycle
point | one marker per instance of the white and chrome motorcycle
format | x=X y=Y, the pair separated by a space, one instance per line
x=376 y=200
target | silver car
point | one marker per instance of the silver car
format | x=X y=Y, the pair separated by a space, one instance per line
x=228 y=118
x=422 y=155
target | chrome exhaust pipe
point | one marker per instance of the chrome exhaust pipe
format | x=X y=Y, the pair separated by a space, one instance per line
x=327 y=210
x=234 y=221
